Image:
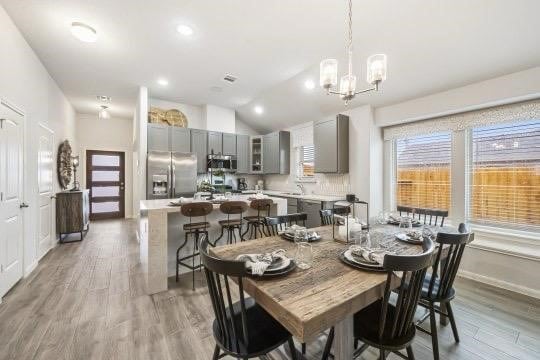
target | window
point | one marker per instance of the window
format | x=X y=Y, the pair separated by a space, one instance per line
x=423 y=171
x=306 y=162
x=504 y=177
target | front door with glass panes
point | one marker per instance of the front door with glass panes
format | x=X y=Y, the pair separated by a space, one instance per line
x=105 y=177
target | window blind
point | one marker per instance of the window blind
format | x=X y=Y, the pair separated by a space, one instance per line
x=504 y=175
x=423 y=171
x=307 y=161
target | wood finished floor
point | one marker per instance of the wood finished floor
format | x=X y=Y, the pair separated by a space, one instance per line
x=87 y=301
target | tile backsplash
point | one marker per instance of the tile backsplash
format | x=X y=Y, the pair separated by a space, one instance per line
x=336 y=184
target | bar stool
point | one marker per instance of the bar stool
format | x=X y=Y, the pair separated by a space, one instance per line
x=195 y=230
x=255 y=223
x=232 y=208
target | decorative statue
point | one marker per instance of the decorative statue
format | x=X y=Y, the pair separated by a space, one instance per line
x=64 y=164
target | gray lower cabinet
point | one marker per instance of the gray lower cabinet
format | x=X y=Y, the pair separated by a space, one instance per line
x=199 y=147
x=158 y=138
x=311 y=208
x=331 y=145
x=180 y=139
x=215 y=142
x=242 y=154
x=229 y=144
x=276 y=153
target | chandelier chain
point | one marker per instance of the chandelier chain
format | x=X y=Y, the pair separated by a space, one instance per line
x=350 y=45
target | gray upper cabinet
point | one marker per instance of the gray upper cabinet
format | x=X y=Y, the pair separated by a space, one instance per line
x=199 y=147
x=242 y=151
x=215 y=142
x=229 y=144
x=158 y=137
x=180 y=139
x=331 y=145
x=276 y=153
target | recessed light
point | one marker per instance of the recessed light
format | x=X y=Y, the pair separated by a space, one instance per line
x=163 y=82
x=103 y=98
x=83 y=32
x=309 y=84
x=184 y=30
x=258 y=109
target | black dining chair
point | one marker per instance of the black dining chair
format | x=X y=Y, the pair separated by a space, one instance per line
x=279 y=223
x=426 y=216
x=242 y=329
x=328 y=214
x=438 y=286
x=386 y=325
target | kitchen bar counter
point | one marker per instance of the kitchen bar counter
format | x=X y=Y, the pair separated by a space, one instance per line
x=160 y=234
x=295 y=195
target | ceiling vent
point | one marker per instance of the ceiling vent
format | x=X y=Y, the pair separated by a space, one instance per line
x=104 y=98
x=229 y=78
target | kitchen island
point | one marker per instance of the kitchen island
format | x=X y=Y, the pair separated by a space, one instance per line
x=160 y=234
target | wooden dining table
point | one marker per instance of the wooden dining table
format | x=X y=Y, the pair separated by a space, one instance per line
x=308 y=302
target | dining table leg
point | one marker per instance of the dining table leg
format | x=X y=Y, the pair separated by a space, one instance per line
x=344 y=339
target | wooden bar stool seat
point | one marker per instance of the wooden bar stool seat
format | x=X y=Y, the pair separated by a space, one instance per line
x=195 y=230
x=255 y=223
x=195 y=226
x=232 y=208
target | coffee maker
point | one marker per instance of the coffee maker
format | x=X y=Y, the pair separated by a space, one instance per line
x=242 y=185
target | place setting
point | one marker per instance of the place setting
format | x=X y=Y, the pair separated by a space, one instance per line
x=267 y=265
x=299 y=233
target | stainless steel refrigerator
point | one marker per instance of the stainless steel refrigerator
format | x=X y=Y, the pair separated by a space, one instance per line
x=171 y=175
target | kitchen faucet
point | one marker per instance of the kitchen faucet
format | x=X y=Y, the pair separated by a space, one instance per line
x=302 y=189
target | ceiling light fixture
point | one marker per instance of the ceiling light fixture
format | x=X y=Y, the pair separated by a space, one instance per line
x=83 y=32
x=258 y=109
x=163 y=82
x=103 y=113
x=184 y=30
x=376 y=71
x=309 y=84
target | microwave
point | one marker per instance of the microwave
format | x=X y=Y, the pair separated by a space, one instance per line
x=225 y=163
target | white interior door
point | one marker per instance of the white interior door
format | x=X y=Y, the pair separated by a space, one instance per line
x=45 y=186
x=11 y=198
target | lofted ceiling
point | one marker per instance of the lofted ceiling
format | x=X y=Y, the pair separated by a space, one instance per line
x=273 y=47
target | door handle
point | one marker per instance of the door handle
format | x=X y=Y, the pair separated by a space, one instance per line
x=23 y=205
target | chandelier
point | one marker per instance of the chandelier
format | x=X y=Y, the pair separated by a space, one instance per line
x=376 y=72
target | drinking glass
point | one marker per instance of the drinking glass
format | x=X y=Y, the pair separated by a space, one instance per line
x=383 y=217
x=405 y=224
x=364 y=240
x=304 y=255
x=301 y=235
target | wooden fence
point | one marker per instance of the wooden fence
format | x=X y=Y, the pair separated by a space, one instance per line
x=498 y=194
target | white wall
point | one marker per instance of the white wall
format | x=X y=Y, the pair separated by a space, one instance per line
x=25 y=83
x=220 y=119
x=504 y=89
x=485 y=260
x=244 y=129
x=110 y=135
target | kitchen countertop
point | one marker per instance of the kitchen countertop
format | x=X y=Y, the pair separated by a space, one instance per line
x=294 y=195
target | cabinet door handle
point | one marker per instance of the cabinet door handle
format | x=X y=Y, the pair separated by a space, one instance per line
x=23 y=205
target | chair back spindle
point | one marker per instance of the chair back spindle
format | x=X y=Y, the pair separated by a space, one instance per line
x=444 y=272
x=426 y=216
x=279 y=223
x=328 y=214
x=232 y=327
x=413 y=268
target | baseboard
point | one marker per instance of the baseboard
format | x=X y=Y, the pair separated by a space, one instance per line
x=500 y=284
x=30 y=268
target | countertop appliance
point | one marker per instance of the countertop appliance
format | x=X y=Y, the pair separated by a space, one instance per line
x=242 y=184
x=171 y=175
x=225 y=163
